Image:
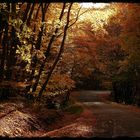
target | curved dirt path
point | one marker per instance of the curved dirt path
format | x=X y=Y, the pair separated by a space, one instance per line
x=112 y=119
x=101 y=118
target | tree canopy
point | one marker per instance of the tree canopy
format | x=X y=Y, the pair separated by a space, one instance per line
x=51 y=48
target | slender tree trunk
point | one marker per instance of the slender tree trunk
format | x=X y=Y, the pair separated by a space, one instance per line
x=3 y=56
x=26 y=12
x=59 y=54
x=47 y=52
x=4 y=46
x=11 y=45
x=30 y=14
x=53 y=37
x=1 y=27
x=33 y=63
x=34 y=30
x=38 y=44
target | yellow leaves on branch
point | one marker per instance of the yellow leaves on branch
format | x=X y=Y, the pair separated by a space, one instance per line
x=59 y=83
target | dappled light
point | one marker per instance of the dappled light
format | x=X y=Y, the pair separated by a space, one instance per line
x=69 y=69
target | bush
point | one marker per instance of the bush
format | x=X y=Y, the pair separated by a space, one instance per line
x=123 y=88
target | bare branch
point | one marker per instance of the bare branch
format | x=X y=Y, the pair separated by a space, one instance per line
x=76 y=19
x=78 y=15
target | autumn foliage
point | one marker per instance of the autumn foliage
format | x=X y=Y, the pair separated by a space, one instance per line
x=49 y=49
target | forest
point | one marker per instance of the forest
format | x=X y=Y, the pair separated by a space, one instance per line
x=48 y=50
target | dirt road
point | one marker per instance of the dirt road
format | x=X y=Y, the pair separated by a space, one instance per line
x=101 y=118
x=112 y=119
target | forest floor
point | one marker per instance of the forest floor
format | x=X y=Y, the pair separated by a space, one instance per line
x=93 y=115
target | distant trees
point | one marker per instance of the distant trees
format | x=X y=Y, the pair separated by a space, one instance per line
x=115 y=52
x=129 y=74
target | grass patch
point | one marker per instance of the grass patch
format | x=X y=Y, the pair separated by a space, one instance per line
x=75 y=109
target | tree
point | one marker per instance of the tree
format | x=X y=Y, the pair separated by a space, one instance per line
x=36 y=30
x=128 y=70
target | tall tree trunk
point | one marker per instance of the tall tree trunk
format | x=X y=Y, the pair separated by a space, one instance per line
x=47 y=51
x=59 y=54
x=4 y=45
x=33 y=63
x=24 y=18
x=38 y=44
x=30 y=14
x=11 y=45
x=3 y=55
